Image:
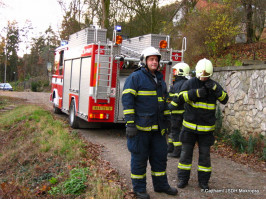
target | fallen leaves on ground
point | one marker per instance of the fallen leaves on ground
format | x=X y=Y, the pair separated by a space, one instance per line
x=250 y=160
x=247 y=51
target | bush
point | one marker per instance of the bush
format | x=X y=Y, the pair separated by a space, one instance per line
x=264 y=154
x=46 y=83
x=220 y=33
x=238 y=142
x=238 y=63
x=251 y=144
x=35 y=86
x=256 y=146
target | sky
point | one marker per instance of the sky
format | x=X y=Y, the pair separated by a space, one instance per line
x=41 y=13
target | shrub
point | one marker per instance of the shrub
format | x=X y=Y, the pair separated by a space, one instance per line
x=264 y=154
x=238 y=63
x=220 y=33
x=238 y=142
x=251 y=144
x=35 y=86
x=255 y=145
x=46 y=83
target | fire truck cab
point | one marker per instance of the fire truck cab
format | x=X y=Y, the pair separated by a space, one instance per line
x=90 y=72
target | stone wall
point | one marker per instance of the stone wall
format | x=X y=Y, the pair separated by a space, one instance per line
x=246 y=109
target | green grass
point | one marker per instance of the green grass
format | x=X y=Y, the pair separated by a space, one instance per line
x=3 y=103
x=42 y=158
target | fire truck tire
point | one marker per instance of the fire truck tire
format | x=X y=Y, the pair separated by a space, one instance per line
x=73 y=119
x=57 y=110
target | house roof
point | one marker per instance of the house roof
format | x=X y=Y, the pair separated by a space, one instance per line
x=202 y=4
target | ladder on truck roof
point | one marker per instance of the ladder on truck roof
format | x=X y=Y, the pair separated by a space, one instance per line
x=104 y=72
x=131 y=48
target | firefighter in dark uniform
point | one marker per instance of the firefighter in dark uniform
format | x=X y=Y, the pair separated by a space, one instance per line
x=200 y=95
x=181 y=72
x=146 y=114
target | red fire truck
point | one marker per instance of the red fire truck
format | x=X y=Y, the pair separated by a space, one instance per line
x=90 y=72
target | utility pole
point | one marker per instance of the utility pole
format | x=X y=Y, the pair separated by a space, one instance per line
x=5 y=63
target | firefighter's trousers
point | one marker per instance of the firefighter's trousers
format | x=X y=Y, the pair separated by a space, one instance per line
x=152 y=146
x=176 y=124
x=204 y=163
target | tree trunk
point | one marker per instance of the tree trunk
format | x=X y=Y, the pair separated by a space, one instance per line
x=105 y=10
x=249 y=21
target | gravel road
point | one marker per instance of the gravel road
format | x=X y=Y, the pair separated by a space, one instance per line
x=229 y=179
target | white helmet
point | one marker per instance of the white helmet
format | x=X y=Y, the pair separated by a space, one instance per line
x=150 y=51
x=182 y=69
x=204 y=68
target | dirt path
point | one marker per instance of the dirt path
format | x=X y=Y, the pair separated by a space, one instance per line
x=229 y=180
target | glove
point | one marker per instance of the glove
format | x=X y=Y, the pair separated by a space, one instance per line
x=131 y=130
x=194 y=94
x=202 y=93
x=173 y=104
x=210 y=84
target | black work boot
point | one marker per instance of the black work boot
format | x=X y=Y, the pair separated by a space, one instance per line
x=169 y=191
x=204 y=185
x=142 y=195
x=176 y=153
x=182 y=184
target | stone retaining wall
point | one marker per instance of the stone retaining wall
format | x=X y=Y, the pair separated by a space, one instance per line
x=246 y=108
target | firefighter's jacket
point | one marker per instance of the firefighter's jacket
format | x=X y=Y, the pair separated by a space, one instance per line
x=199 y=113
x=174 y=92
x=144 y=101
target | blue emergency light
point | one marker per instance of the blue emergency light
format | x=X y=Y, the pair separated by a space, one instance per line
x=64 y=42
x=118 y=28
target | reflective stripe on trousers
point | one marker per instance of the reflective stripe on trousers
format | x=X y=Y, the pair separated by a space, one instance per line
x=204 y=169
x=184 y=166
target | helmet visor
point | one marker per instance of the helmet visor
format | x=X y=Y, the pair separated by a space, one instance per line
x=204 y=74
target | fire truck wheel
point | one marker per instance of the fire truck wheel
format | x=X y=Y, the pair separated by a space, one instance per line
x=73 y=119
x=57 y=110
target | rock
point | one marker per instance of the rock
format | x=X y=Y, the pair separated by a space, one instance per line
x=254 y=112
x=258 y=105
x=235 y=83
x=240 y=95
x=264 y=111
x=249 y=119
